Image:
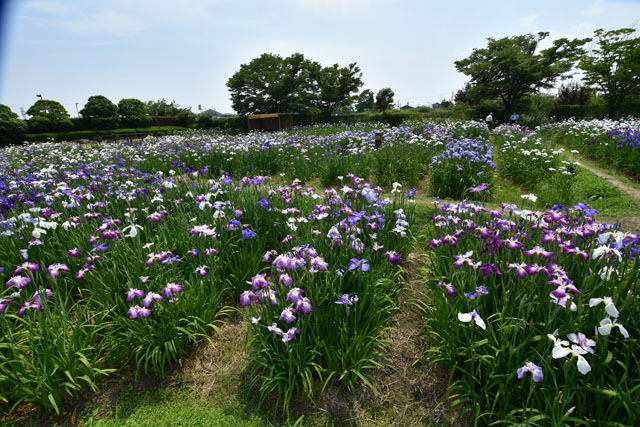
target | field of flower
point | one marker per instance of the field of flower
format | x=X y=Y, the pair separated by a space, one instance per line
x=117 y=255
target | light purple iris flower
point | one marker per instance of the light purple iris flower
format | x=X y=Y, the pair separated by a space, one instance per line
x=287 y=315
x=356 y=264
x=133 y=293
x=304 y=305
x=55 y=269
x=294 y=295
x=347 y=300
x=171 y=289
x=18 y=282
x=247 y=297
x=536 y=371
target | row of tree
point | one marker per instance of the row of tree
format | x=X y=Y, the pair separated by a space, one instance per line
x=511 y=69
x=99 y=112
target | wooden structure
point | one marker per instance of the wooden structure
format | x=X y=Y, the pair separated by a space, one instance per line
x=275 y=121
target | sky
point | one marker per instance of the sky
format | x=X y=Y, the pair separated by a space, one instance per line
x=186 y=50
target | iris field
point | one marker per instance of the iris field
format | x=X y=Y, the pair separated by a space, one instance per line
x=125 y=255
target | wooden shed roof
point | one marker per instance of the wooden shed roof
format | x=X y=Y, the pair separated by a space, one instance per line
x=268 y=116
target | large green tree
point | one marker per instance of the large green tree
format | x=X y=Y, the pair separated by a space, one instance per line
x=365 y=101
x=333 y=87
x=613 y=67
x=163 y=108
x=11 y=127
x=101 y=113
x=133 y=112
x=48 y=115
x=272 y=84
x=384 y=99
x=512 y=68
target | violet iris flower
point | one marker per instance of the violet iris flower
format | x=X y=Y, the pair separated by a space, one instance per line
x=449 y=287
x=287 y=315
x=171 y=289
x=304 y=305
x=133 y=293
x=55 y=269
x=393 y=257
x=248 y=233
x=355 y=264
x=30 y=266
x=347 y=300
x=536 y=371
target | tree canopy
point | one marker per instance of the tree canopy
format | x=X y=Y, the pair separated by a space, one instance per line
x=163 y=108
x=384 y=99
x=101 y=113
x=131 y=107
x=273 y=84
x=333 y=87
x=47 y=114
x=511 y=68
x=613 y=67
x=10 y=124
x=365 y=101
x=133 y=112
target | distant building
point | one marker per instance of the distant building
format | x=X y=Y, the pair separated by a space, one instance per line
x=275 y=121
x=213 y=113
x=406 y=107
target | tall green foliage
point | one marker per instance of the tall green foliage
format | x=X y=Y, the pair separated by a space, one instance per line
x=614 y=66
x=48 y=115
x=102 y=113
x=510 y=68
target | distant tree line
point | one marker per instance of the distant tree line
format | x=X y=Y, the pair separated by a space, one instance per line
x=510 y=73
x=99 y=113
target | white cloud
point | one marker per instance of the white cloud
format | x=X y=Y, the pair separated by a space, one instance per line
x=104 y=23
x=597 y=9
x=528 y=21
x=52 y=8
x=333 y=5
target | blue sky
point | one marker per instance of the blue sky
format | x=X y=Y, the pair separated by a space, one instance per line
x=186 y=50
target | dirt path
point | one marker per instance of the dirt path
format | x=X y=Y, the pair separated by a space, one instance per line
x=632 y=192
x=630 y=223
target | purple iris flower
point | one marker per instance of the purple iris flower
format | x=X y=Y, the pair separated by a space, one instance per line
x=304 y=305
x=55 y=269
x=151 y=297
x=248 y=233
x=102 y=247
x=30 y=266
x=449 y=287
x=287 y=315
x=133 y=293
x=393 y=257
x=488 y=268
x=171 y=289
x=294 y=295
x=521 y=269
x=262 y=203
x=4 y=302
x=258 y=281
x=347 y=300
x=355 y=264
x=75 y=252
x=536 y=371
x=289 y=335
x=471 y=295
x=247 y=297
